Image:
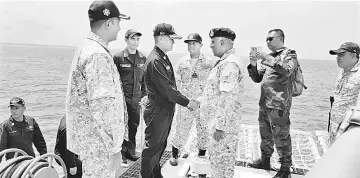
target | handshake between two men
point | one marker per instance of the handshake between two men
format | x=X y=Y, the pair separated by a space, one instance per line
x=193 y=105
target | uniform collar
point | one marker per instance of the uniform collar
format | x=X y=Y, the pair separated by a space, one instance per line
x=126 y=53
x=201 y=57
x=279 y=50
x=356 y=67
x=15 y=121
x=160 y=52
x=95 y=37
x=230 y=51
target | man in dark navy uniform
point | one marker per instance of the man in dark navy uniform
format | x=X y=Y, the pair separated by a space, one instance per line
x=162 y=97
x=71 y=160
x=20 y=131
x=130 y=64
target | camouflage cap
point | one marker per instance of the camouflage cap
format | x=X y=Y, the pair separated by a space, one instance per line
x=131 y=32
x=346 y=47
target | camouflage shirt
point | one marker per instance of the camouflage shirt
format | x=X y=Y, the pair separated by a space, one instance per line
x=346 y=94
x=191 y=80
x=274 y=75
x=96 y=112
x=222 y=96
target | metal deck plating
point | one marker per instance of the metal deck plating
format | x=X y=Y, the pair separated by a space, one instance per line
x=307 y=148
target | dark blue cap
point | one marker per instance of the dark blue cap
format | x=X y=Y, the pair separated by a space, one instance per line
x=222 y=32
x=166 y=29
x=102 y=10
x=17 y=101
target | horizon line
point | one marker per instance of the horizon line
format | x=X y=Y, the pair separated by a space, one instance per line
x=66 y=46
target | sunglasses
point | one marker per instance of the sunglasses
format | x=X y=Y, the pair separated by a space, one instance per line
x=269 y=38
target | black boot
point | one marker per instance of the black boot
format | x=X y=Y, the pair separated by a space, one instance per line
x=202 y=175
x=201 y=152
x=132 y=156
x=261 y=163
x=124 y=162
x=284 y=172
x=175 y=156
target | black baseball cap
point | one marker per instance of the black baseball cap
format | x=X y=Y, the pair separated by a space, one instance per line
x=101 y=10
x=166 y=29
x=17 y=101
x=222 y=32
x=193 y=37
x=346 y=47
x=131 y=32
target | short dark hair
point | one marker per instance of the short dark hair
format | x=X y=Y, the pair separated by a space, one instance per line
x=279 y=32
x=98 y=23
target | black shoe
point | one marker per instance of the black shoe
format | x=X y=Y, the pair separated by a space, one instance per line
x=261 y=163
x=284 y=172
x=132 y=156
x=202 y=152
x=174 y=162
x=175 y=152
x=175 y=156
x=124 y=162
x=202 y=175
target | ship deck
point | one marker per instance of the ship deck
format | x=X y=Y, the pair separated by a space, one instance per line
x=307 y=148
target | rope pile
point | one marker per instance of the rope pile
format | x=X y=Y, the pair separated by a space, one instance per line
x=25 y=166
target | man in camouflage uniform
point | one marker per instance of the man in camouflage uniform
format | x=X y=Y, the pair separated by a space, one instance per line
x=347 y=84
x=191 y=73
x=347 y=138
x=95 y=104
x=221 y=103
x=275 y=101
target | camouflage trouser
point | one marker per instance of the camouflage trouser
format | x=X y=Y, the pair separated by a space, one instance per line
x=335 y=121
x=184 y=121
x=96 y=164
x=223 y=155
x=332 y=132
x=275 y=127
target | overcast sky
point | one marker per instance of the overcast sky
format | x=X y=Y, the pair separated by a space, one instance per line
x=311 y=28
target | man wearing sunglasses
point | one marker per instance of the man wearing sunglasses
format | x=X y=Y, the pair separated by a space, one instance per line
x=275 y=101
x=162 y=97
x=96 y=113
x=21 y=131
x=347 y=84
